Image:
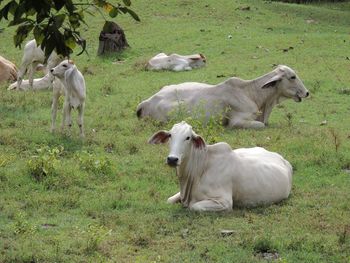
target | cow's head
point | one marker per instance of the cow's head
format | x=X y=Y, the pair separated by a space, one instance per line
x=197 y=60
x=288 y=83
x=61 y=69
x=181 y=139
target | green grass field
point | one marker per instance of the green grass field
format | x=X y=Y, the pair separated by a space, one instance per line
x=103 y=198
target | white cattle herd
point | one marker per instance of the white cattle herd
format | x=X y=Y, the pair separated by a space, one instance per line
x=211 y=177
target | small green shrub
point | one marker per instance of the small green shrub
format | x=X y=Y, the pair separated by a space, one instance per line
x=90 y=163
x=22 y=226
x=95 y=235
x=210 y=127
x=44 y=163
x=264 y=245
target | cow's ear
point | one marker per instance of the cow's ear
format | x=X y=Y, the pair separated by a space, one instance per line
x=272 y=81
x=159 y=137
x=198 y=141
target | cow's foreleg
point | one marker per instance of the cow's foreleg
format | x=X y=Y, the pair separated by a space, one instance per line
x=211 y=205
x=246 y=124
x=267 y=113
x=245 y=120
x=22 y=70
x=54 y=111
x=31 y=71
x=176 y=198
x=81 y=120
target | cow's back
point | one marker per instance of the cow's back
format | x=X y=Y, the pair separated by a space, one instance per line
x=8 y=70
x=170 y=97
x=260 y=177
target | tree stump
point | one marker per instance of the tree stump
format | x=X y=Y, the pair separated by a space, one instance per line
x=112 y=39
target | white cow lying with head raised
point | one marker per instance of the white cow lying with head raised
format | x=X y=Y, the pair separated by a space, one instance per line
x=242 y=103
x=71 y=84
x=176 y=62
x=43 y=83
x=215 y=177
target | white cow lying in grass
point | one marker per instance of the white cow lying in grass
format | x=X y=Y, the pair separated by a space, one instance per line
x=216 y=178
x=32 y=57
x=242 y=103
x=176 y=62
x=71 y=84
x=38 y=84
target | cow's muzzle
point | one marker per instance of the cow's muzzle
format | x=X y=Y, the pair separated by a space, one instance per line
x=299 y=98
x=172 y=161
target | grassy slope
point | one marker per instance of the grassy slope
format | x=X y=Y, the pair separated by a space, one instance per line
x=122 y=216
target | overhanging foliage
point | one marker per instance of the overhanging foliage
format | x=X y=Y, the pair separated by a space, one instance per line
x=55 y=23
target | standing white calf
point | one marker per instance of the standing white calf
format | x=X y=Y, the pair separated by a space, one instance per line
x=176 y=62
x=215 y=177
x=33 y=55
x=74 y=90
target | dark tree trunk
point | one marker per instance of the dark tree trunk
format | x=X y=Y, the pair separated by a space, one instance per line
x=112 y=39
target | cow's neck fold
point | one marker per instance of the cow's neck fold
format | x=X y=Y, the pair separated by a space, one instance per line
x=267 y=95
x=190 y=171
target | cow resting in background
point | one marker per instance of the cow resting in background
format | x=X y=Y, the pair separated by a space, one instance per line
x=43 y=83
x=71 y=84
x=216 y=178
x=8 y=70
x=242 y=103
x=33 y=56
x=176 y=62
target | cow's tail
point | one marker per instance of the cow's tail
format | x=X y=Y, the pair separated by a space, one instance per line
x=139 y=110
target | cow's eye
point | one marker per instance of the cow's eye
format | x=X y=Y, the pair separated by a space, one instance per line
x=187 y=138
x=64 y=65
x=293 y=77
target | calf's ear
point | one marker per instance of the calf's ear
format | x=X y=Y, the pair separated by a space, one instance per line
x=198 y=141
x=159 y=137
x=272 y=81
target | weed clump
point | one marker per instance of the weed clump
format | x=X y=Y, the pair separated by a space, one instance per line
x=210 y=126
x=44 y=163
x=91 y=163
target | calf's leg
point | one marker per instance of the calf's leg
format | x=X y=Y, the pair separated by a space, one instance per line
x=81 y=119
x=54 y=111
x=65 y=114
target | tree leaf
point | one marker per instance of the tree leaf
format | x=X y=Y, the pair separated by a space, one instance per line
x=108 y=7
x=22 y=33
x=70 y=42
x=58 y=4
x=9 y=8
x=114 y=12
x=133 y=14
x=38 y=35
x=59 y=19
x=127 y=2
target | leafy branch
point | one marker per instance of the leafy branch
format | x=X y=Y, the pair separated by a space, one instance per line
x=55 y=23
